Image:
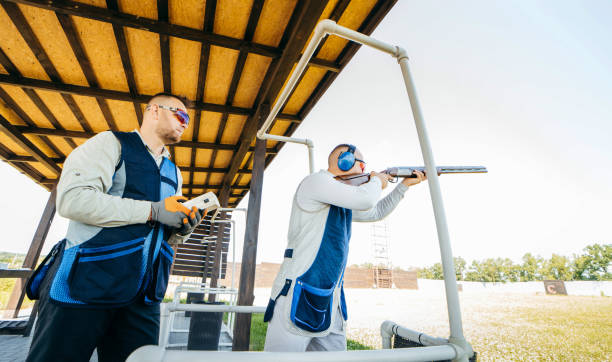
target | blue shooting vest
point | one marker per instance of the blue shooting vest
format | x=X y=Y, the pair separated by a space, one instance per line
x=120 y=265
x=313 y=292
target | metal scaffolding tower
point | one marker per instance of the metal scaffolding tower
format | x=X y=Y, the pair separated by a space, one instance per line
x=383 y=275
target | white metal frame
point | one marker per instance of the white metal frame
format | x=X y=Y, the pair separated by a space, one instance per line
x=458 y=348
x=184 y=287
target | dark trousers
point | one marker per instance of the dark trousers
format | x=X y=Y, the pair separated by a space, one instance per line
x=72 y=334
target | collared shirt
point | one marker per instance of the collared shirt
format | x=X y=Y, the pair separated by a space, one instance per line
x=87 y=176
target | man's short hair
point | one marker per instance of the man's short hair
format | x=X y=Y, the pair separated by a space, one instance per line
x=170 y=95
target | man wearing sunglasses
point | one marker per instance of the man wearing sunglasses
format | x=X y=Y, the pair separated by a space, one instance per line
x=102 y=285
x=307 y=309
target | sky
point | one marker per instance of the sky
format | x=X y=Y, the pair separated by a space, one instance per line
x=521 y=87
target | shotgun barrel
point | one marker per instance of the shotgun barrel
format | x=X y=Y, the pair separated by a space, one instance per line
x=408 y=171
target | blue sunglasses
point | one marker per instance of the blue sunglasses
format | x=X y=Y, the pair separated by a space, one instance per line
x=181 y=115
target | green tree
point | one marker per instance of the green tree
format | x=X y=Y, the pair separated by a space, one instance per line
x=460 y=267
x=531 y=269
x=557 y=268
x=433 y=272
x=595 y=264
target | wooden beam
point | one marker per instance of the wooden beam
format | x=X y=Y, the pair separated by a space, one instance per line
x=300 y=27
x=141 y=23
x=324 y=64
x=123 y=96
x=15 y=273
x=215 y=187
x=249 y=251
x=212 y=169
x=164 y=45
x=31 y=259
x=85 y=135
x=17 y=137
x=16 y=158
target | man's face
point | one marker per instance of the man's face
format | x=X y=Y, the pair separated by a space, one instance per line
x=169 y=128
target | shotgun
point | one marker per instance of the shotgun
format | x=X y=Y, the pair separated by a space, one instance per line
x=408 y=171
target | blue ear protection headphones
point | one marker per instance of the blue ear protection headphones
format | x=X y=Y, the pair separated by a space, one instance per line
x=346 y=160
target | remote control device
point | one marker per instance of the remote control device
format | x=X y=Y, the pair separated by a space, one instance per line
x=205 y=201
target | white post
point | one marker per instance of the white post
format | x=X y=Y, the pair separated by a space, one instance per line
x=450 y=281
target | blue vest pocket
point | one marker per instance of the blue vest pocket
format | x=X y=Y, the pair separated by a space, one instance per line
x=107 y=275
x=161 y=273
x=311 y=307
x=33 y=285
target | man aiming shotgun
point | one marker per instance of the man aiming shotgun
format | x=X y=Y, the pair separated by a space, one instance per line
x=307 y=311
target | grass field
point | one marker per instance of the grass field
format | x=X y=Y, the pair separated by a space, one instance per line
x=500 y=327
x=258 y=336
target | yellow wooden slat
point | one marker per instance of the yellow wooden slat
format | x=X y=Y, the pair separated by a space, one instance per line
x=184 y=64
x=182 y=156
x=221 y=64
x=202 y=158
x=17 y=50
x=189 y=13
x=273 y=20
x=100 y=46
x=124 y=115
x=233 y=127
x=46 y=27
x=231 y=17
x=255 y=68
x=224 y=157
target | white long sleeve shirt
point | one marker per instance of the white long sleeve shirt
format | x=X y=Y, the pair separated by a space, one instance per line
x=309 y=214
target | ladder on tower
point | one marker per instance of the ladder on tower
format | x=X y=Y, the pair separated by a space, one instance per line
x=383 y=274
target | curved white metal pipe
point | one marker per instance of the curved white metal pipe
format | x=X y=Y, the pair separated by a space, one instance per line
x=389 y=328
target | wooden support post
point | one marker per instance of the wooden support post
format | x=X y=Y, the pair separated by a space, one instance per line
x=31 y=259
x=242 y=327
x=223 y=199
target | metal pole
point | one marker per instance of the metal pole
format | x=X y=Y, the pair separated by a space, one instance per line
x=450 y=282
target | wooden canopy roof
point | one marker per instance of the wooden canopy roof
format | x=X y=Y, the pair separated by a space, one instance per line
x=71 y=69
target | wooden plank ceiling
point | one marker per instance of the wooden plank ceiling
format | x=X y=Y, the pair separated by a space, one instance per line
x=71 y=69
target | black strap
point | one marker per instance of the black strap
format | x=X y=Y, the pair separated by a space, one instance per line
x=270 y=309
